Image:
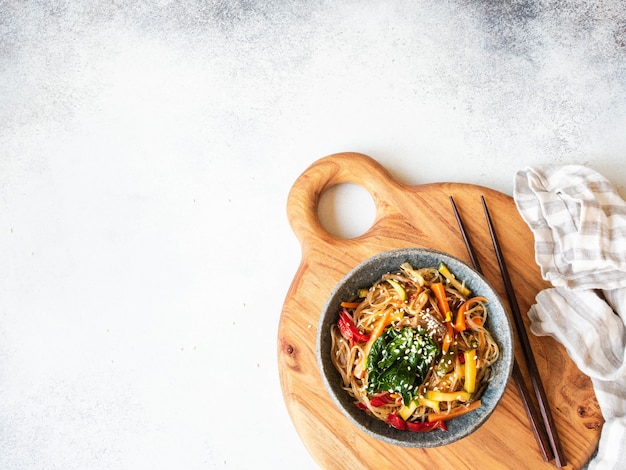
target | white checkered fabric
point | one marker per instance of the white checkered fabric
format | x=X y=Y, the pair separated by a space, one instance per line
x=579 y=225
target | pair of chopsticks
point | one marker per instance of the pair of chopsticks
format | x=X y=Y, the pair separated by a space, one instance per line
x=543 y=427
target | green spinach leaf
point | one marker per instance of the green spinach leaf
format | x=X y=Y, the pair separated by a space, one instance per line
x=399 y=361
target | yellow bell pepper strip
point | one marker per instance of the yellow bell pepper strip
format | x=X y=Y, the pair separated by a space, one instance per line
x=461 y=287
x=460 y=323
x=470 y=371
x=398 y=288
x=442 y=301
x=435 y=395
x=432 y=404
x=406 y=411
x=459 y=411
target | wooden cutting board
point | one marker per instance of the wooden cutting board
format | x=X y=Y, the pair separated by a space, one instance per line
x=420 y=216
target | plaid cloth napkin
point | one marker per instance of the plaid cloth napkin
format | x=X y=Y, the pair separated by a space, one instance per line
x=579 y=224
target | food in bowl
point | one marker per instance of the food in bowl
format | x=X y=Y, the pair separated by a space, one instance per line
x=415 y=341
x=413 y=349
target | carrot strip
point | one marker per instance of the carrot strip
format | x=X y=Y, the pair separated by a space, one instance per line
x=461 y=410
x=442 y=300
x=448 y=338
x=460 y=323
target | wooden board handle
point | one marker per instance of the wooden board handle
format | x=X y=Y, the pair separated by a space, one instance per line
x=340 y=168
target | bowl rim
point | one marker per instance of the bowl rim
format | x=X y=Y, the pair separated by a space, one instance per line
x=459 y=427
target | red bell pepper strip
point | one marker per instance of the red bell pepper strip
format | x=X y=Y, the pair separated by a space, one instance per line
x=397 y=422
x=349 y=330
x=426 y=426
x=461 y=357
x=380 y=400
x=383 y=399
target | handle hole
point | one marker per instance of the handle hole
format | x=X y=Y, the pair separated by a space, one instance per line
x=346 y=210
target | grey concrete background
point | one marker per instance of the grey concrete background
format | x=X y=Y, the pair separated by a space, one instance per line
x=146 y=151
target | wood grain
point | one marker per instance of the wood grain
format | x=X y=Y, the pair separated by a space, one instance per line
x=419 y=216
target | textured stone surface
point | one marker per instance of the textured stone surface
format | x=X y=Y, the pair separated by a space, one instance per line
x=146 y=151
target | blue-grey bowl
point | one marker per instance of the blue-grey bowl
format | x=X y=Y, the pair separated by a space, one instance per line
x=498 y=323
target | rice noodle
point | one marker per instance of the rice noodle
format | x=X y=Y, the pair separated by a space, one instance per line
x=418 y=310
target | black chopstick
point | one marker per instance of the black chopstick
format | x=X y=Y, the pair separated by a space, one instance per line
x=533 y=416
x=535 y=378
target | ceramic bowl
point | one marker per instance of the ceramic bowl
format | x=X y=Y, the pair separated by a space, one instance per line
x=498 y=323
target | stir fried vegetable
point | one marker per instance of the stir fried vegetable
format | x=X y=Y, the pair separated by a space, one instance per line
x=412 y=349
